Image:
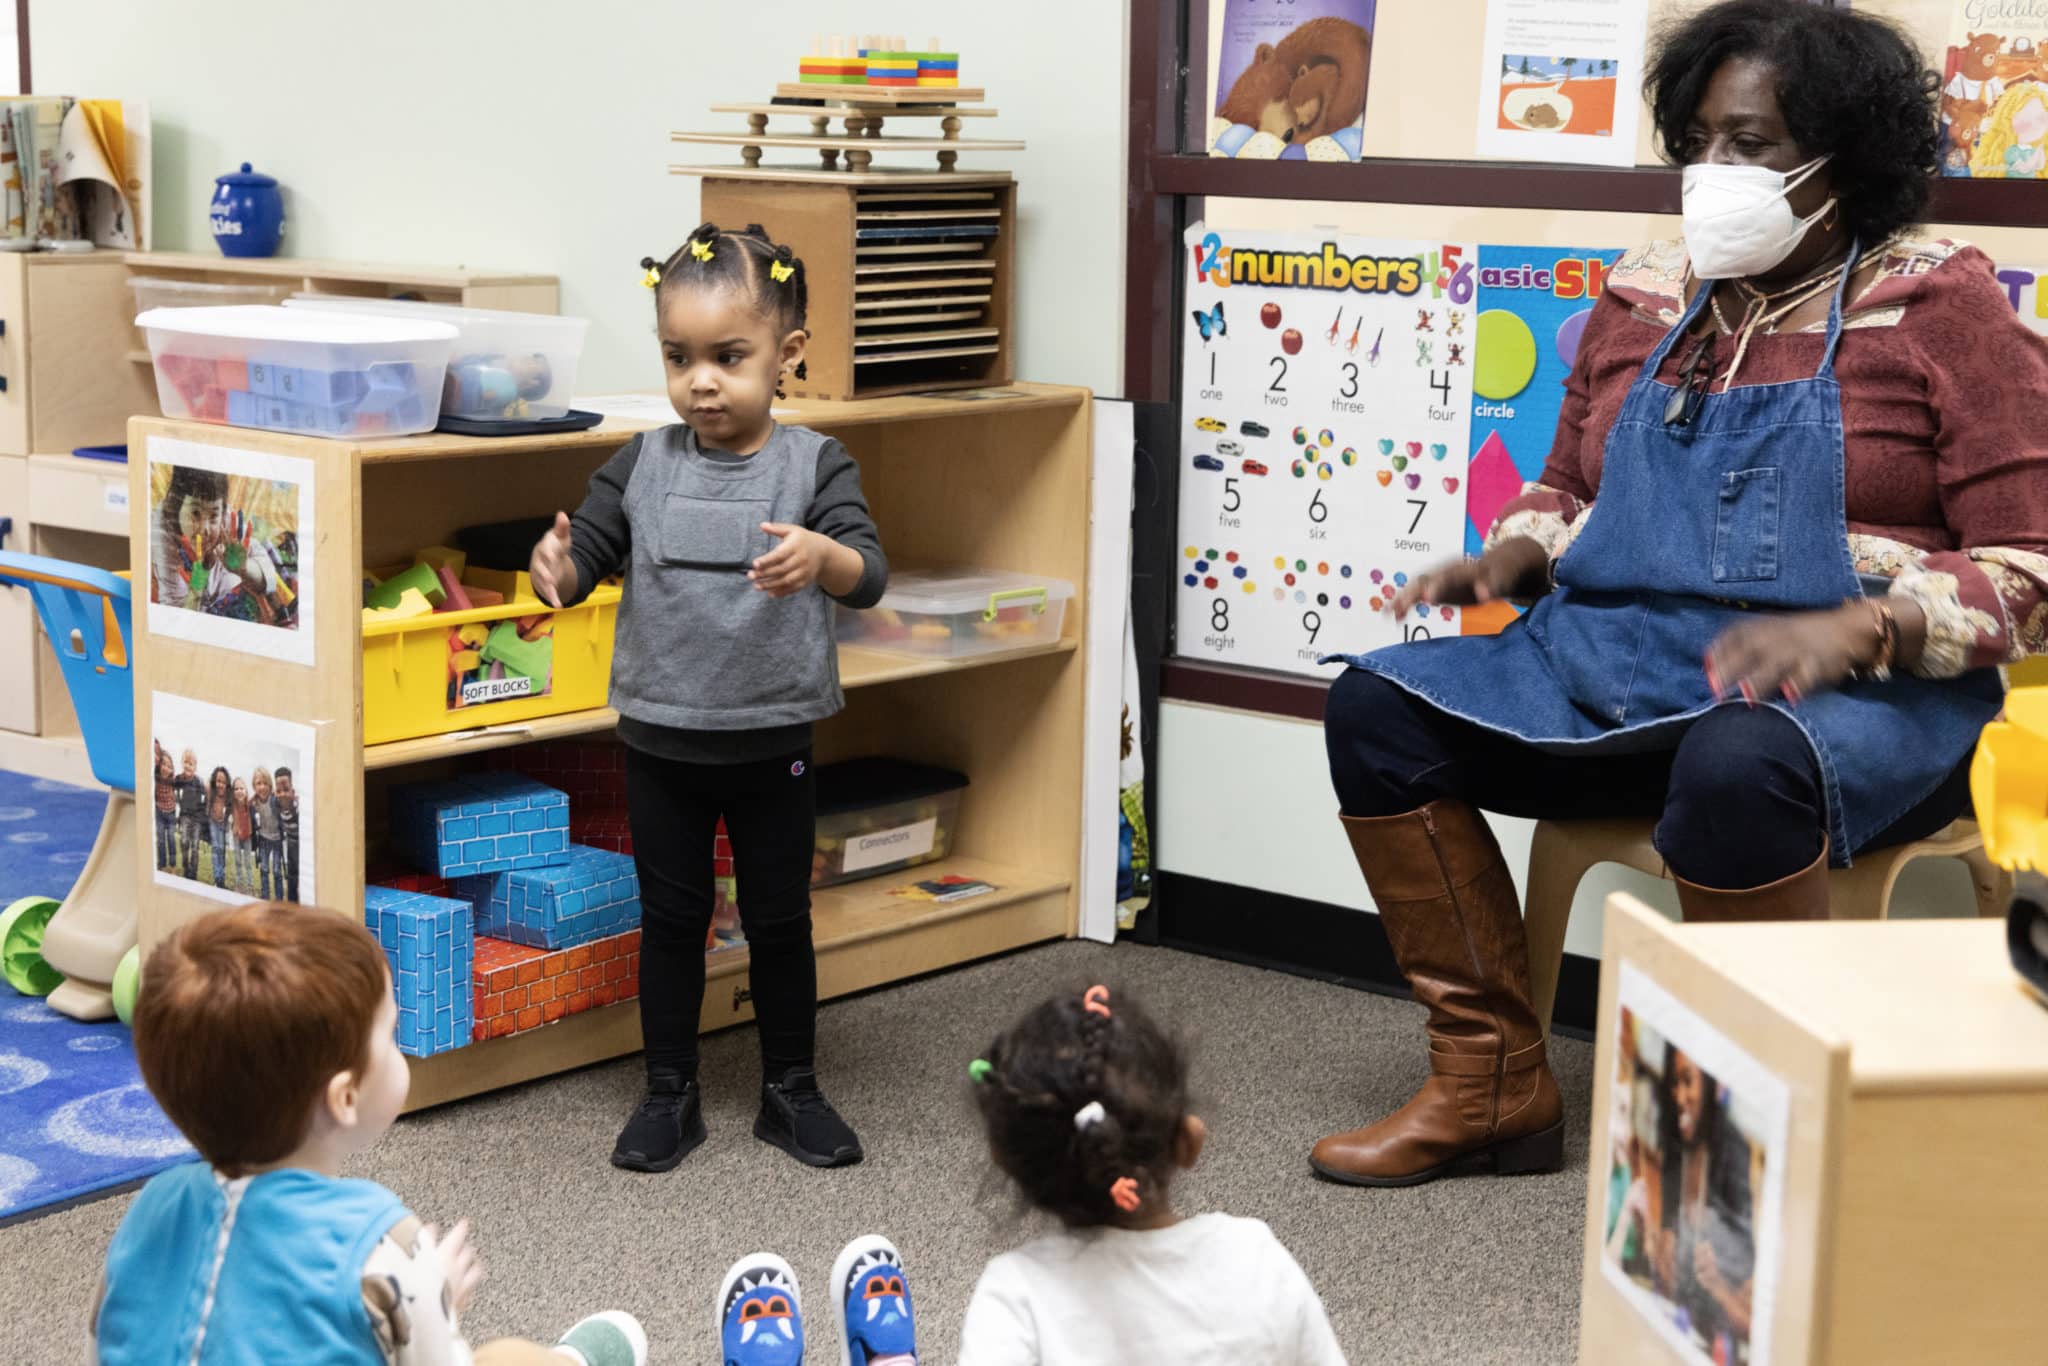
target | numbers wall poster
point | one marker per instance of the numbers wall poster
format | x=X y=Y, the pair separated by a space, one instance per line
x=1326 y=389
x=1533 y=304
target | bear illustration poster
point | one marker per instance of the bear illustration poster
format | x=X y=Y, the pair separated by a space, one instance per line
x=1994 y=94
x=1558 y=80
x=1291 y=80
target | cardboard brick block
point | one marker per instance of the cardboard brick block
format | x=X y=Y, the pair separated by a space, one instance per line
x=596 y=893
x=430 y=943
x=488 y=822
x=515 y=984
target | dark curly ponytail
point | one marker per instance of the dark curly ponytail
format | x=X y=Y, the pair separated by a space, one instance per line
x=1084 y=1100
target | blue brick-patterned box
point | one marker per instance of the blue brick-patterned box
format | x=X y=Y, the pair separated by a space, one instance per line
x=431 y=944
x=596 y=893
x=489 y=822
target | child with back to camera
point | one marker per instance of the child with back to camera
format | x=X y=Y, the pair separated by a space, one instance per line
x=266 y=1033
x=1086 y=1104
x=736 y=534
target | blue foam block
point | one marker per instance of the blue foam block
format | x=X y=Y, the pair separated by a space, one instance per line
x=593 y=894
x=430 y=942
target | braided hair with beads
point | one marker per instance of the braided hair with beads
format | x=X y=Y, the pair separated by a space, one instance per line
x=1084 y=1100
x=767 y=273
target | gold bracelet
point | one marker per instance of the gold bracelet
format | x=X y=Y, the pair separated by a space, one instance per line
x=1886 y=623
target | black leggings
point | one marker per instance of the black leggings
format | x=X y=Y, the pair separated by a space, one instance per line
x=770 y=811
x=1738 y=802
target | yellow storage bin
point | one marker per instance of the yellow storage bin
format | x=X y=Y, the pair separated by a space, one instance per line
x=411 y=686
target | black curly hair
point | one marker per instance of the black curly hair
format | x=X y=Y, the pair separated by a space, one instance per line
x=1850 y=85
x=1048 y=1068
x=746 y=261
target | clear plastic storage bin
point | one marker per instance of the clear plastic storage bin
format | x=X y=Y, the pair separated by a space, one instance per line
x=505 y=366
x=151 y=292
x=959 y=612
x=878 y=816
x=293 y=370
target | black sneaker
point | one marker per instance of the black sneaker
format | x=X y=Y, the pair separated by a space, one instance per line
x=666 y=1128
x=796 y=1117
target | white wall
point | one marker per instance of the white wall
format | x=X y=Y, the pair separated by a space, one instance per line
x=533 y=134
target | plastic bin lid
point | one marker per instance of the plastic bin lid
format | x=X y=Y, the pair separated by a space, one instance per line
x=944 y=592
x=458 y=314
x=138 y=283
x=855 y=784
x=267 y=322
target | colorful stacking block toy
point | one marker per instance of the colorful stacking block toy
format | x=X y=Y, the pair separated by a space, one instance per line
x=594 y=894
x=482 y=823
x=519 y=988
x=430 y=942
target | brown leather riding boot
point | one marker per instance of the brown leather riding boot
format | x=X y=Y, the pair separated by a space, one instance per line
x=1801 y=896
x=1449 y=909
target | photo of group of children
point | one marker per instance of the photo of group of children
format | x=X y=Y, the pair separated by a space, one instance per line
x=224 y=553
x=229 y=796
x=1689 y=1204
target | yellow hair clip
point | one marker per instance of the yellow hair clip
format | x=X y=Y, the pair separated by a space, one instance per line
x=651 y=277
x=780 y=273
x=700 y=250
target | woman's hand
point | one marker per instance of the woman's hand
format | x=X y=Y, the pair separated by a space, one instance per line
x=552 y=571
x=1518 y=567
x=1796 y=654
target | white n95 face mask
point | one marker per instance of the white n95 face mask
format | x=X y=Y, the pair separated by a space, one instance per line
x=1737 y=222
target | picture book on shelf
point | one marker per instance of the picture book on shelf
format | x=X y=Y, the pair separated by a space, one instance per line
x=1291 y=80
x=1994 y=94
x=73 y=170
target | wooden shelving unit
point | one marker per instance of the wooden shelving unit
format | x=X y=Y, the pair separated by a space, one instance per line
x=73 y=370
x=1010 y=468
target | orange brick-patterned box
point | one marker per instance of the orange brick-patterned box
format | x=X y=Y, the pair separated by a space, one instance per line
x=520 y=988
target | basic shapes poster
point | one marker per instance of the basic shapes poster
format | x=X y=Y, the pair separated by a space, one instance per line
x=2024 y=287
x=1291 y=80
x=1327 y=388
x=1532 y=307
x=1994 y=97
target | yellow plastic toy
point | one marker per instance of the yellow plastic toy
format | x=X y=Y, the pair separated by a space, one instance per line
x=2009 y=783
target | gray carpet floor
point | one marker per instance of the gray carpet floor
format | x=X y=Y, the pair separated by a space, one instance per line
x=1475 y=1270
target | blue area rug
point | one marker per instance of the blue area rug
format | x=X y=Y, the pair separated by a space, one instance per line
x=74 y=1117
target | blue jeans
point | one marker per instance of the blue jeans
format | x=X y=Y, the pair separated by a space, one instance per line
x=217 y=841
x=167 y=841
x=1738 y=803
x=270 y=869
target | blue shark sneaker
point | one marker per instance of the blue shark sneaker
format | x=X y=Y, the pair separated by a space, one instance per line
x=761 y=1321
x=877 y=1326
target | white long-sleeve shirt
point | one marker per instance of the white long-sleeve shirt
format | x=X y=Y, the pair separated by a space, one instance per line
x=1213 y=1289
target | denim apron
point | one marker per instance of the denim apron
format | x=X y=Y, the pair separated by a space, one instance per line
x=1697 y=525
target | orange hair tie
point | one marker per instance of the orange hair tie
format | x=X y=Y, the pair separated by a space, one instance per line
x=1095 y=1000
x=1124 y=1194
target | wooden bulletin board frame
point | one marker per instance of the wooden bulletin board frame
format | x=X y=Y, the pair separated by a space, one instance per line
x=1815 y=1067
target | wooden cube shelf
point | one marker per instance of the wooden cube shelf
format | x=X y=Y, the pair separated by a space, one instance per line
x=910 y=285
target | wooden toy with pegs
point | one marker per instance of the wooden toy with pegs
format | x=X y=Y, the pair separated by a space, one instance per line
x=862 y=81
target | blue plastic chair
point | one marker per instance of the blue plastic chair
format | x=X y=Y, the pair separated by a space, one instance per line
x=87 y=615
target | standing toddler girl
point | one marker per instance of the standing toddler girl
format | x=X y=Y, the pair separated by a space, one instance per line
x=736 y=535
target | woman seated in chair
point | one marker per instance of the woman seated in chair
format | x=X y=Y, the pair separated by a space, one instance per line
x=1795 y=515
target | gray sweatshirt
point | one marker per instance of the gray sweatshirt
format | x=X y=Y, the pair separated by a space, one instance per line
x=706 y=667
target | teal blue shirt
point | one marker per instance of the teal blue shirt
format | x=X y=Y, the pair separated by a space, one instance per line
x=285 y=1281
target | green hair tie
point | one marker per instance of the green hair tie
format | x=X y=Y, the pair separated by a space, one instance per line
x=980 y=1071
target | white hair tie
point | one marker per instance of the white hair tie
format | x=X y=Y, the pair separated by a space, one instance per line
x=1090 y=1115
